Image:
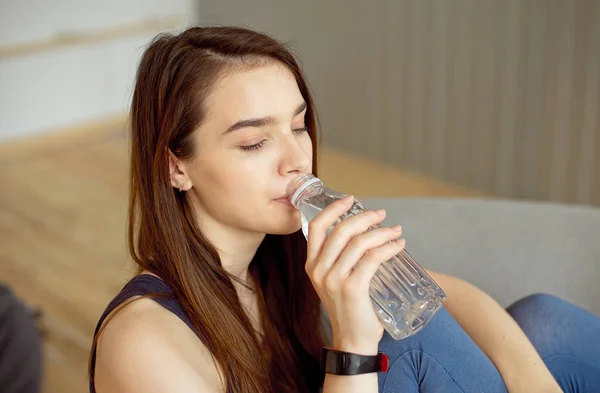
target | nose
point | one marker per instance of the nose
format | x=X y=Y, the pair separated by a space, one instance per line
x=296 y=155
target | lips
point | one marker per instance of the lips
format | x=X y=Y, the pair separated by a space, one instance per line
x=285 y=201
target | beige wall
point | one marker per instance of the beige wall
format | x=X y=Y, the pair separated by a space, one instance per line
x=502 y=95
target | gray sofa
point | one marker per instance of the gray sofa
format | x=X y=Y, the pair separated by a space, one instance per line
x=508 y=248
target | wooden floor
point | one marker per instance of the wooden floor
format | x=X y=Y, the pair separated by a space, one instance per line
x=62 y=229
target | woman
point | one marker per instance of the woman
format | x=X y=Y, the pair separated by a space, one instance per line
x=229 y=293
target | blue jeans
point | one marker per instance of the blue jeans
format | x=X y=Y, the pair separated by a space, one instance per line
x=443 y=358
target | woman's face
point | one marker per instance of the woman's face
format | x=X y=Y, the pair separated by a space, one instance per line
x=252 y=144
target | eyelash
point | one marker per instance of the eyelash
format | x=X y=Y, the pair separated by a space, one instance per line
x=260 y=144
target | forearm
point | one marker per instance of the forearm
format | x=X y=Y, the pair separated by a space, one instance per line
x=498 y=336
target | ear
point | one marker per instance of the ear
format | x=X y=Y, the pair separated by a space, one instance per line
x=177 y=173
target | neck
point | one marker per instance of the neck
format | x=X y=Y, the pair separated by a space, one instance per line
x=236 y=247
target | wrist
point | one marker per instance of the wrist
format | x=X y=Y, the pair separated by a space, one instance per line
x=359 y=348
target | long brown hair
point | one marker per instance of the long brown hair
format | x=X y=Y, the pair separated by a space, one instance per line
x=173 y=81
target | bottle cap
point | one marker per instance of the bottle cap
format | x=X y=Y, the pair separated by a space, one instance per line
x=303 y=187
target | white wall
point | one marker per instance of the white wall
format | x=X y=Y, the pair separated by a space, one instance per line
x=52 y=85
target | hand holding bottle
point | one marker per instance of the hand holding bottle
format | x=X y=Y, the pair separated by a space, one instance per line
x=341 y=267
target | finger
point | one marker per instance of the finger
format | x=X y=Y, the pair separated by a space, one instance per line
x=358 y=281
x=343 y=233
x=317 y=227
x=359 y=246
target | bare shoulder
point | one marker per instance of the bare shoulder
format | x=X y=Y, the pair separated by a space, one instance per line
x=146 y=348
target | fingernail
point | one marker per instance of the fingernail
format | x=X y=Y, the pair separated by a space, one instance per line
x=397 y=228
x=348 y=198
x=380 y=212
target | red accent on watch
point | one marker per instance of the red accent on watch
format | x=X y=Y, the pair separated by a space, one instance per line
x=384 y=362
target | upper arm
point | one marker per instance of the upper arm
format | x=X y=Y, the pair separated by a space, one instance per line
x=144 y=349
x=442 y=279
x=451 y=285
x=457 y=290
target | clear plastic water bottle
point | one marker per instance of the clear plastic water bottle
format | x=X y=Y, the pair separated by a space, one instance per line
x=404 y=296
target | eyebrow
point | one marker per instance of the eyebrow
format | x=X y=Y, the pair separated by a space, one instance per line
x=262 y=121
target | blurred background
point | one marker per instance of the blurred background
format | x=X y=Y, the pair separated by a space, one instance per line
x=434 y=98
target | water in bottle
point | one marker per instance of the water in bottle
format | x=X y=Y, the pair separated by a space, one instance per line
x=404 y=296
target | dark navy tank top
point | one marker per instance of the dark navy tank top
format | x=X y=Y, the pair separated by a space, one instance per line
x=145 y=284
x=140 y=285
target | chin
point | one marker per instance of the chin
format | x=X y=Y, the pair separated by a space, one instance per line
x=286 y=226
x=280 y=219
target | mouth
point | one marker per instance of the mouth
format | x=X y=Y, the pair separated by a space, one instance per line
x=284 y=201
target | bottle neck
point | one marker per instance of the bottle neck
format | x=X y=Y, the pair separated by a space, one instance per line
x=305 y=185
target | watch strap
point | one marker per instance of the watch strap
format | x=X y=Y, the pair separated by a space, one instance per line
x=346 y=363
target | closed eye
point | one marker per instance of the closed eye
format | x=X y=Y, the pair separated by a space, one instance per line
x=256 y=146
x=260 y=144
x=303 y=129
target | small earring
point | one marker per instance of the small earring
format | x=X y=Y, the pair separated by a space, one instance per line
x=181 y=187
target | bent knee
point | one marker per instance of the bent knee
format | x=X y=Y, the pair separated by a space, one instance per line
x=535 y=301
x=545 y=320
x=536 y=309
x=539 y=307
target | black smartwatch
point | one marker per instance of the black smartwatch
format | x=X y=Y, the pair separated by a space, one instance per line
x=346 y=363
